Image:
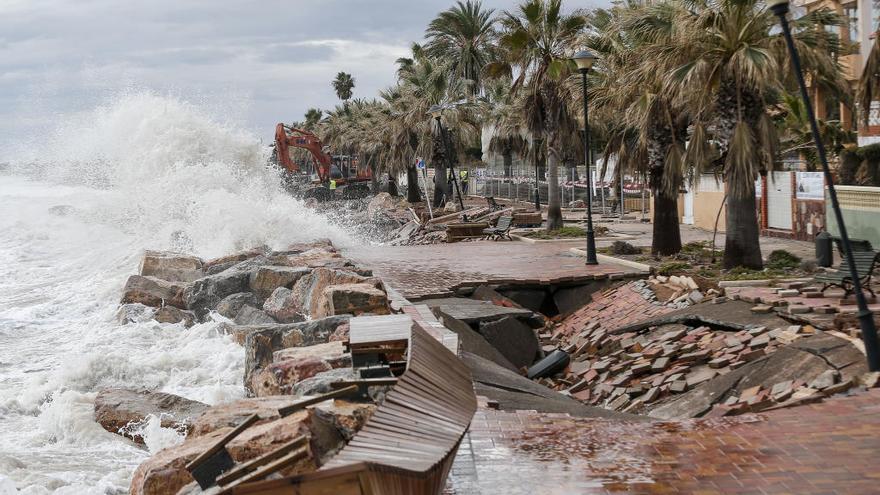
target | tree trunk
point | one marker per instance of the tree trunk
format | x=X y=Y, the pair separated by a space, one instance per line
x=741 y=247
x=413 y=194
x=441 y=188
x=667 y=236
x=508 y=162
x=554 y=209
x=392 y=186
x=374 y=179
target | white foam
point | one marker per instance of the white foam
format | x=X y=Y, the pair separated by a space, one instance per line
x=141 y=172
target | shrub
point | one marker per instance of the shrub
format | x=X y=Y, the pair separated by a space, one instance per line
x=781 y=259
x=621 y=247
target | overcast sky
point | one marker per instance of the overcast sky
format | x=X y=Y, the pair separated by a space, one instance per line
x=271 y=60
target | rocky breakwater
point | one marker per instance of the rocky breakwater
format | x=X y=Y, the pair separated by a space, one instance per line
x=289 y=309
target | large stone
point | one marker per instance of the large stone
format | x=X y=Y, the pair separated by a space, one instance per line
x=266 y=279
x=282 y=306
x=134 y=313
x=165 y=472
x=312 y=258
x=249 y=315
x=291 y=366
x=532 y=299
x=170 y=314
x=261 y=342
x=232 y=304
x=515 y=340
x=348 y=417
x=152 y=291
x=172 y=267
x=322 y=383
x=352 y=299
x=308 y=292
x=116 y=409
x=218 y=265
x=205 y=294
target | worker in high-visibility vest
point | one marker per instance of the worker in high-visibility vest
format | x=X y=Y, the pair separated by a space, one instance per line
x=463 y=174
x=332 y=184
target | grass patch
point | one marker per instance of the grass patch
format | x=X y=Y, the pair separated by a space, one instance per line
x=564 y=233
x=781 y=259
x=673 y=266
x=741 y=273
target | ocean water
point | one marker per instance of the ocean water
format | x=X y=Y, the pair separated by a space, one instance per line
x=77 y=210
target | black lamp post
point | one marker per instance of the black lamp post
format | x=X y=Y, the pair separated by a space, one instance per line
x=436 y=111
x=866 y=319
x=537 y=178
x=584 y=60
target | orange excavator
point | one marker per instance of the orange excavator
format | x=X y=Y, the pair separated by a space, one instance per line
x=337 y=176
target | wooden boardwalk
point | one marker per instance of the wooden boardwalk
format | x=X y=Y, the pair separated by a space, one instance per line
x=408 y=445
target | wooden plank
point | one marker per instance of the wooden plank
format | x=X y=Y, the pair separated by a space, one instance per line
x=244 y=425
x=251 y=465
x=297 y=406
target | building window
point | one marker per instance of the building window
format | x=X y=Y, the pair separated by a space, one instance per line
x=832 y=108
x=851 y=11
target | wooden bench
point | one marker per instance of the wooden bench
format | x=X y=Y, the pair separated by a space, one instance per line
x=855 y=244
x=500 y=230
x=408 y=445
x=866 y=262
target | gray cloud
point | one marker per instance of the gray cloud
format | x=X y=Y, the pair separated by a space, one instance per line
x=60 y=56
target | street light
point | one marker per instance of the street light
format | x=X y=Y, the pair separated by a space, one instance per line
x=436 y=111
x=866 y=319
x=584 y=60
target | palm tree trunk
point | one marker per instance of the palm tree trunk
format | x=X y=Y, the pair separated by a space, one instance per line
x=441 y=188
x=413 y=194
x=667 y=236
x=392 y=185
x=554 y=209
x=508 y=162
x=741 y=247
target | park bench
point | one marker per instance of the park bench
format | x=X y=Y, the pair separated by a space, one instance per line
x=866 y=262
x=855 y=244
x=493 y=205
x=500 y=230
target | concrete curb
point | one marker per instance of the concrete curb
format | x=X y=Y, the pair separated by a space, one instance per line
x=764 y=282
x=610 y=259
x=581 y=240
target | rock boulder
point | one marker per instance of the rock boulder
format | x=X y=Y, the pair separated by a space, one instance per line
x=170 y=314
x=291 y=366
x=205 y=294
x=232 y=304
x=308 y=292
x=268 y=278
x=173 y=267
x=154 y=292
x=353 y=299
x=282 y=306
x=117 y=408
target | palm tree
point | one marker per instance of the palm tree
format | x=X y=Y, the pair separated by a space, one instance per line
x=537 y=40
x=463 y=34
x=343 y=84
x=313 y=116
x=502 y=111
x=643 y=128
x=423 y=82
x=737 y=66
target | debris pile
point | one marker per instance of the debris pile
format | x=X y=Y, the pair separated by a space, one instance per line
x=674 y=291
x=434 y=231
x=638 y=370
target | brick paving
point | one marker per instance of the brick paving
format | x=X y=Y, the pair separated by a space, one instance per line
x=826 y=448
x=420 y=272
x=611 y=309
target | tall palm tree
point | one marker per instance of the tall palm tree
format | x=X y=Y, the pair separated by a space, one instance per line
x=424 y=81
x=463 y=34
x=645 y=131
x=537 y=40
x=737 y=67
x=343 y=84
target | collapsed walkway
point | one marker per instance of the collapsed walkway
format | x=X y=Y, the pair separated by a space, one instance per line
x=831 y=447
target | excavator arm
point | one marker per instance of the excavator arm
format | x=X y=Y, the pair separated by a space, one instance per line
x=287 y=137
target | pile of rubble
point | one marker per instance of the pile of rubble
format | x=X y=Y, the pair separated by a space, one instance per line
x=678 y=291
x=290 y=310
x=423 y=231
x=647 y=367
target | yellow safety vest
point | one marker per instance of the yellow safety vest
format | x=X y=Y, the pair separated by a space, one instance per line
x=332 y=184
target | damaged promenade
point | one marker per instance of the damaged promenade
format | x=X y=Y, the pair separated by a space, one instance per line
x=665 y=384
